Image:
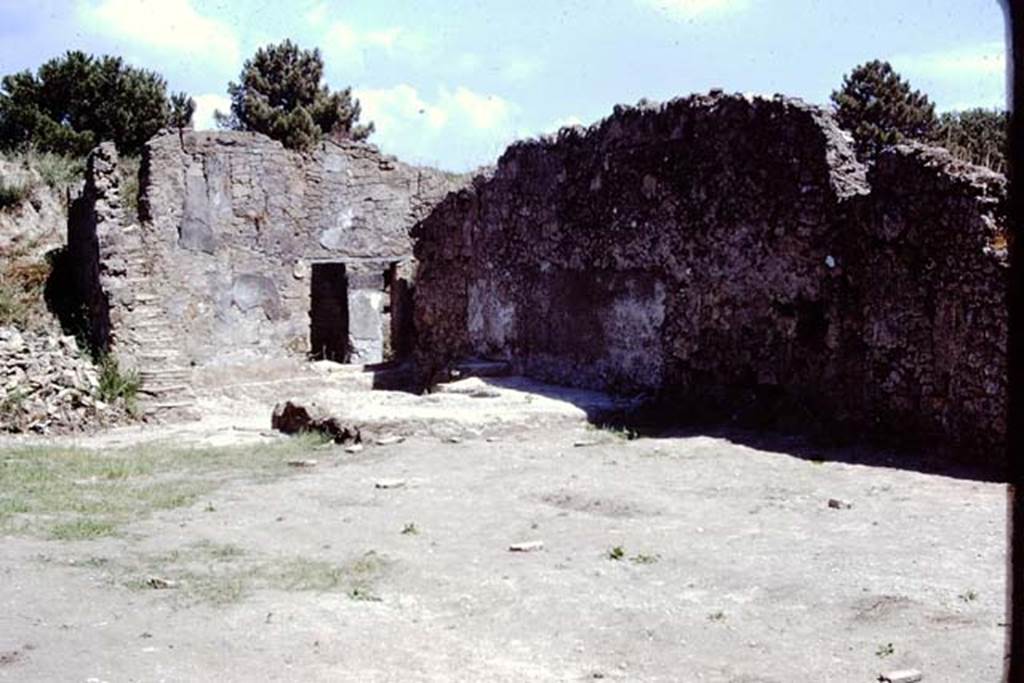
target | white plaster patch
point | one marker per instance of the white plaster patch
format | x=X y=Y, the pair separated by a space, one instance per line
x=633 y=331
x=491 y=321
x=334 y=238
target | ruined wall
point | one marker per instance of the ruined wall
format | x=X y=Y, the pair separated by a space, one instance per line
x=719 y=250
x=94 y=246
x=925 y=275
x=236 y=222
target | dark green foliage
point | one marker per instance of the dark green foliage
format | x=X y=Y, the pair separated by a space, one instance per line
x=115 y=383
x=280 y=95
x=880 y=109
x=74 y=102
x=976 y=135
x=12 y=194
x=183 y=108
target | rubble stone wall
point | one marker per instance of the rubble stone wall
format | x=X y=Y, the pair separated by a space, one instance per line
x=96 y=222
x=230 y=225
x=719 y=249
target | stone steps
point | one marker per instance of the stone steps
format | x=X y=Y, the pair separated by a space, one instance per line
x=162 y=389
x=166 y=374
x=166 y=389
x=171 y=410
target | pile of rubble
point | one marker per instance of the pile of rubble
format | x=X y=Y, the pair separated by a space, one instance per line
x=48 y=386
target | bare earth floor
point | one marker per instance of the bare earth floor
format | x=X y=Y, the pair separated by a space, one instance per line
x=663 y=559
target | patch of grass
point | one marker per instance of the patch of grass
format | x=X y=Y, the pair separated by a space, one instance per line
x=222 y=551
x=60 y=493
x=23 y=278
x=616 y=553
x=885 y=650
x=618 y=431
x=968 y=596
x=116 y=384
x=82 y=529
x=13 y=194
x=215 y=574
x=643 y=558
x=717 y=616
x=15 y=302
x=129 y=170
x=57 y=170
x=11 y=405
x=410 y=529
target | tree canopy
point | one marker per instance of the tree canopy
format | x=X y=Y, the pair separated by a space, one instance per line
x=74 y=102
x=280 y=94
x=975 y=135
x=879 y=108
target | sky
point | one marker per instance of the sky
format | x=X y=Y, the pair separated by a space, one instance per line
x=451 y=83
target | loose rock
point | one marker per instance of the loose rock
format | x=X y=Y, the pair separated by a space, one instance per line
x=526 y=547
x=48 y=386
x=903 y=676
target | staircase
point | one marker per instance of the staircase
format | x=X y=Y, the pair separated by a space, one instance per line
x=144 y=334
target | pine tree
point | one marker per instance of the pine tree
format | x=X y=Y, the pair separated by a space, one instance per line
x=183 y=108
x=74 y=102
x=975 y=135
x=279 y=94
x=879 y=108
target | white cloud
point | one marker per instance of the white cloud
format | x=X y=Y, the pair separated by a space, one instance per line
x=206 y=104
x=976 y=61
x=346 y=47
x=958 y=78
x=165 y=25
x=565 y=122
x=685 y=10
x=458 y=128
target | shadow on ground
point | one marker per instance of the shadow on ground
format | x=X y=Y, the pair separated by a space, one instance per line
x=768 y=425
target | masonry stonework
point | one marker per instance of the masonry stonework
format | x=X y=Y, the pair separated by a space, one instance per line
x=711 y=253
x=717 y=250
x=240 y=223
x=217 y=266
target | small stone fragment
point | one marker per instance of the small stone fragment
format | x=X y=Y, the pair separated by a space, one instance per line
x=583 y=443
x=837 y=504
x=390 y=440
x=902 y=676
x=452 y=439
x=302 y=463
x=389 y=483
x=354 y=448
x=526 y=547
x=160 y=583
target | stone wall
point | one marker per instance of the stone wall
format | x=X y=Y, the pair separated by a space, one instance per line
x=230 y=227
x=720 y=250
x=95 y=225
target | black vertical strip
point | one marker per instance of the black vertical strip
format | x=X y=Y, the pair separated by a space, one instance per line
x=1015 y=302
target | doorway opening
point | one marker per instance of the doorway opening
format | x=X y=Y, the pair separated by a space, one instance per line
x=328 y=313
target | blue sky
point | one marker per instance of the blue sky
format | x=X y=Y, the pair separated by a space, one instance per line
x=452 y=82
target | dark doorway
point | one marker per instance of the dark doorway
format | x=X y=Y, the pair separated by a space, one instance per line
x=328 y=313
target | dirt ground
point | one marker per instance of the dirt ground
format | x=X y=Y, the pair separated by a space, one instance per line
x=683 y=558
